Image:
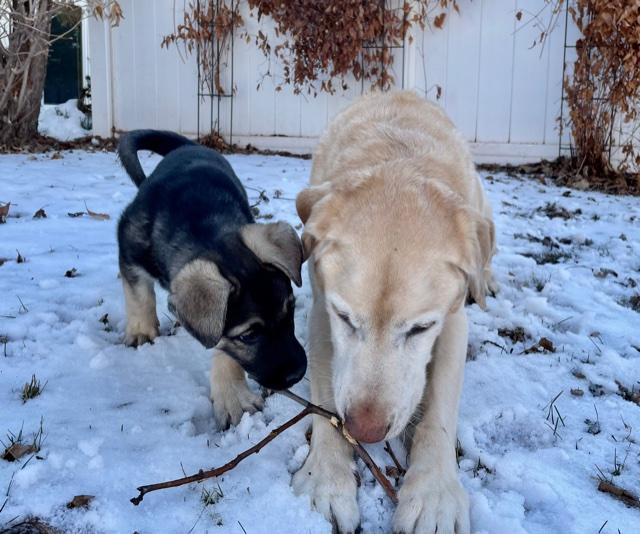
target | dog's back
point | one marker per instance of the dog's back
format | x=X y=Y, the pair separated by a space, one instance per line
x=182 y=207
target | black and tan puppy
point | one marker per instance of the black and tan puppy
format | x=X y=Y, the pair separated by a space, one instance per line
x=190 y=227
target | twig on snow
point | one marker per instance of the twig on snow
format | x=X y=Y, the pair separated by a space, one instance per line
x=309 y=409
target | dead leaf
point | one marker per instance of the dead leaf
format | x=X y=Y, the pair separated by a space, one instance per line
x=40 y=214
x=519 y=15
x=20 y=258
x=80 y=501
x=75 y=214
x=544 y=345
x=17 y=451
x=438 y=21
x=71 y=273
x=577 y=392
x=4 y=212
x=57 y=155
x=96 y=215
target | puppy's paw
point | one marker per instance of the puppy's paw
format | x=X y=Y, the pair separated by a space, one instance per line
x=429 y=502
x=332 y=490
x=134 y=337
x=231 y=400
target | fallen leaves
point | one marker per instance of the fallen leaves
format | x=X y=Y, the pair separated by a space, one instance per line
x=544 y=345
x=71 y=273
x=92 y=214
x=17 y=450
x=4 y=212
x=80 y=501
x=40 y=214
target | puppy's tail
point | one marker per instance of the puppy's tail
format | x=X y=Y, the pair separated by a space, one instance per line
x=160 y=142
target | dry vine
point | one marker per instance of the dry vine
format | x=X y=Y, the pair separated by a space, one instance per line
x=317 y=42
x=603 y=93
x=309 y=409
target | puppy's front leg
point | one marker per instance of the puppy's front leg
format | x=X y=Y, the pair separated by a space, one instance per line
x=140 y=300
x=431 y=496
x=230 y=393
x=327 y=475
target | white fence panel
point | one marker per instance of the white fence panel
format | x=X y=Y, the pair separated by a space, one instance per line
x=502 y=93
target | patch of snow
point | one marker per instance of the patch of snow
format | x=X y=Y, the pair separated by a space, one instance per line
x=62 y=121
x=115 y=417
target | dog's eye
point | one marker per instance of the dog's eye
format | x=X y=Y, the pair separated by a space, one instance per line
x=345 y=319
x=419 y=329
x=249 y=336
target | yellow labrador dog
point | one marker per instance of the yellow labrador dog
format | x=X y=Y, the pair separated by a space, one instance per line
x=398 y=231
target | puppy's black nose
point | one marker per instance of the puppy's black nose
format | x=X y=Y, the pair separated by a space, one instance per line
x=295 y=377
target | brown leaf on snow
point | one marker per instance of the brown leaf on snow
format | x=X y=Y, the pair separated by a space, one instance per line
x=71 y=273
x=17 y=451
x=40 y=214
x=75 y=214
x=544 y=345
x=80 y=501
x=4 y=212
x=96 y=215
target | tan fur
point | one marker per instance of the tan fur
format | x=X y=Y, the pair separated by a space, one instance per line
x=199 y=294
x=140 y=301
x=276 y=244
x=397 y=228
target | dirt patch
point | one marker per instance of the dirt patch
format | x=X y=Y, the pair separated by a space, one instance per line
x=562 y=171
x=516 y=335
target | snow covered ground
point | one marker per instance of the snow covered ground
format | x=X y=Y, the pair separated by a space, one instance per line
x=114 y=417
x=62 y=121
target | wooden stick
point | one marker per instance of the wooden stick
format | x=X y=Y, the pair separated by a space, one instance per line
x=619 y=493
x=394 y=458
x=338 y=424
x=309 y=408
x=202 y=475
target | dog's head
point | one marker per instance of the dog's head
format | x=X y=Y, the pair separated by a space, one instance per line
x=243 y=302
x=391 y=263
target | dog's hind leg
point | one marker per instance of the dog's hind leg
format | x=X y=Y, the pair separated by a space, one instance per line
x=140 y=299
x=230 y=392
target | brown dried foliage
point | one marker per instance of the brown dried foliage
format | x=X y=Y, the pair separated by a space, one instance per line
x=606 y=80
x=604 y=89
x=319 y=43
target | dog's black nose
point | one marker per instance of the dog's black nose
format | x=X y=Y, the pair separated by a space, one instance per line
x=295 y=377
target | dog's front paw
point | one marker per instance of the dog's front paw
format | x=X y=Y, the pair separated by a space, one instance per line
x=231 y=400
x=332 y=490
x=134 y=337
x=430 y=502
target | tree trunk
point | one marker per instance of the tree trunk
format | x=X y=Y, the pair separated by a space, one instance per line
x=23 y=70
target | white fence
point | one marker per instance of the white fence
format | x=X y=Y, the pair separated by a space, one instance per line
x=503 y=93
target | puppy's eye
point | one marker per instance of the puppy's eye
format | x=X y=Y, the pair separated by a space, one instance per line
x=418 y=329
x=249 y=336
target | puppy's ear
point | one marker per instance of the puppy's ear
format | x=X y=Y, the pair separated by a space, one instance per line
x=479 y=245
x=199 y=296
x=307 y=198
x=276 y=244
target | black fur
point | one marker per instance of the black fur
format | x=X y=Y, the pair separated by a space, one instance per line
x=193 y=206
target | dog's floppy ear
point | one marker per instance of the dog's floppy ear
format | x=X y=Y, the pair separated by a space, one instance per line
x=277 y=244
x=305 y=201
x=199 y=296
x=479 y=244
x=307 y=198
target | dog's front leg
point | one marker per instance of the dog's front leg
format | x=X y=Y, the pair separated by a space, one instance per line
x=327 y=475
x=230 y=392
x=431 y=496
x=140 y=300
